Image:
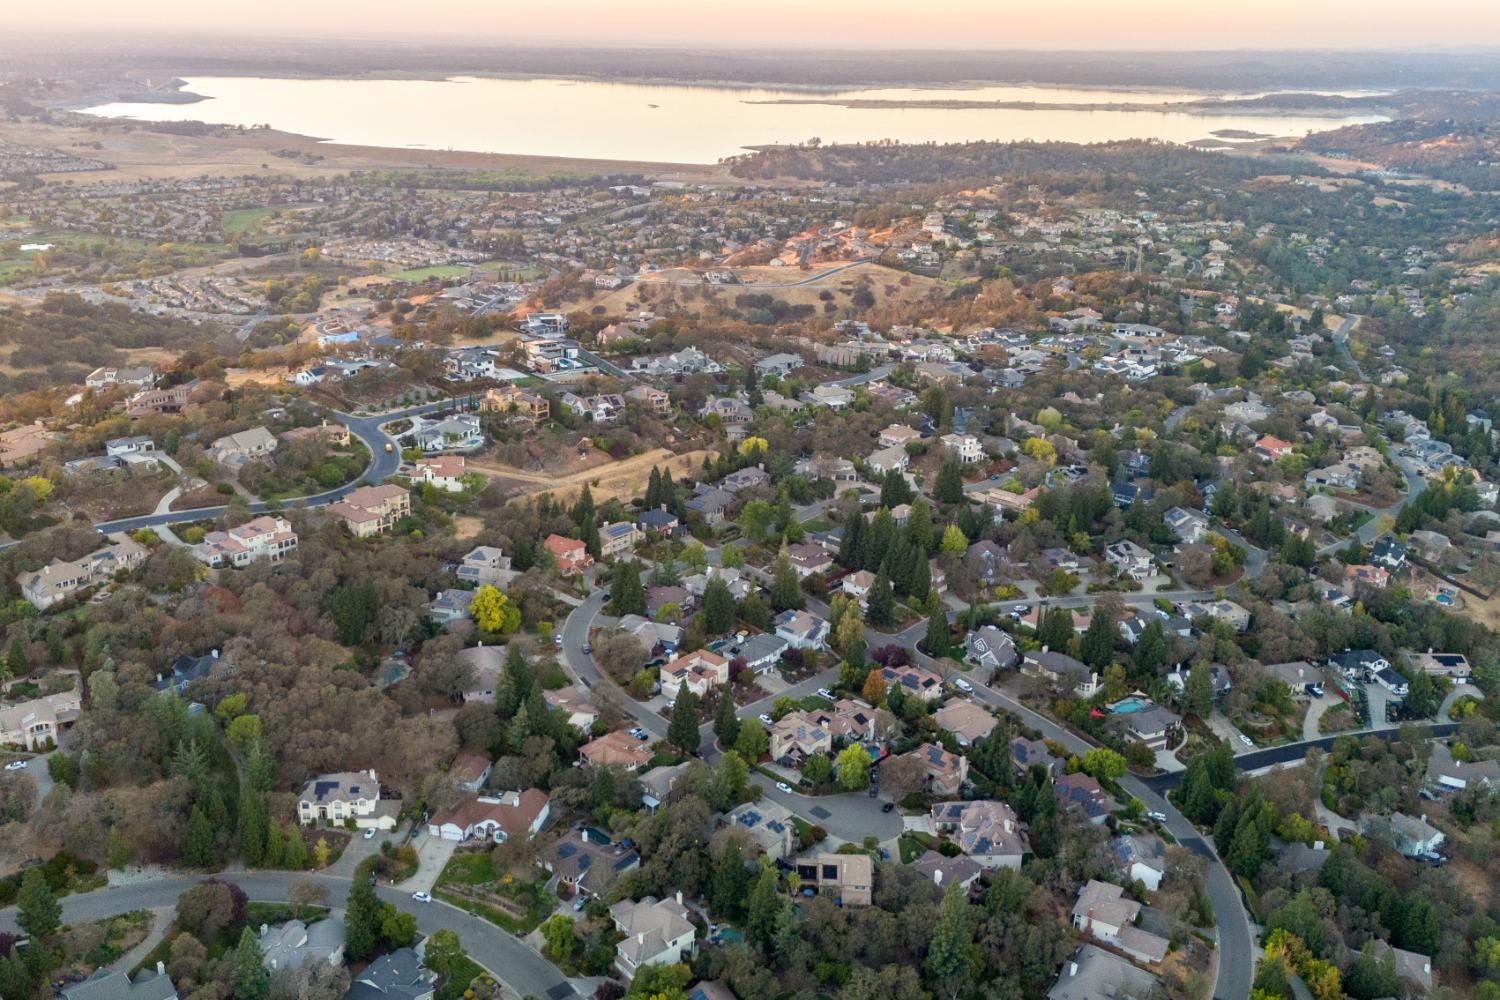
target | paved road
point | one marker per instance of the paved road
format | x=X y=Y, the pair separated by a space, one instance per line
x=367 y=428
x=509 y=959
x=1236 y=965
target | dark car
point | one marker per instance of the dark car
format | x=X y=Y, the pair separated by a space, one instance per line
x=888 y=807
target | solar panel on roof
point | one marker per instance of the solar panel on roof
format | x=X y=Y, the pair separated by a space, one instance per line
x=584 y=861
x=776 y=826
x=566 y=850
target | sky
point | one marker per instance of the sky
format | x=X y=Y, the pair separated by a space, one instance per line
x=967 y=24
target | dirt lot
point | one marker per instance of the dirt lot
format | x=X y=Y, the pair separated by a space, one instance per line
x=623 y=479
x=790 y=285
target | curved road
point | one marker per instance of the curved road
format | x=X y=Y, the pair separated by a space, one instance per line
x=505 y=956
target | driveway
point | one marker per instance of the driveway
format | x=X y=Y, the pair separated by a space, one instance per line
x=1315 y=712
x=432 y=856
x=1377 y=697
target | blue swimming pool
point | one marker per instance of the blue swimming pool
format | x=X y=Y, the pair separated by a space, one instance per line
x=1128 y=706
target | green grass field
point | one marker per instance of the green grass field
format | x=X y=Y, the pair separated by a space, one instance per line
x=436 y=271
x=240 y=221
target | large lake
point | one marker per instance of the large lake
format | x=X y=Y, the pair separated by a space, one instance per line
x=676 y=124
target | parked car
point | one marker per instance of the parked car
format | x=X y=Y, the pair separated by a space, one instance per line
x=422 y=897
x=579 y=904
x=888 y=807
x=825 y=693
x=766 y=719
x=638 y=733
x=16 y=765
x=370 y=833
x=783 y=786
x=1160 y=817
x=963 y=685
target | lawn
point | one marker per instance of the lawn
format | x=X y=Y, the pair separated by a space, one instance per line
x=455 y=986
x=470 y=882
x=240 y=221
x=435 y=271
x=913 y=845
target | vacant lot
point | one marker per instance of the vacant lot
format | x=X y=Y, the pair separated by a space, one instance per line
x=623 y=479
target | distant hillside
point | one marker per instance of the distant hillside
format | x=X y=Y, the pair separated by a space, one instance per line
x=1464 y=152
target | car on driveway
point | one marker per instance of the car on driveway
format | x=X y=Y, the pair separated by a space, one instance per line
x=783 y=786
x=370 y=833
x=16 y=765
x=766 y=719
x=638 y=733
x=422 y=897
x=825 y=693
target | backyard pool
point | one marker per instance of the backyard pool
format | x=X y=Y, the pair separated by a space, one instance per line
x=1128 y=706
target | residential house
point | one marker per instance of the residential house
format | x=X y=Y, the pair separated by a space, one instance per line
x=469 y=771
x=1105 y=912
x=107 y=985
x=1190 y=526
x=234 y=450
x=711 y=503
x=1413 y=836
x=444 y=472
x=59 y=580
x=1025 y=753
x=573 y=700
x=651 y=398
x=1084 y=792
x=913 y=681
x=965 y=447
x=1455 y=665
x=372 y=510
x=586 y=863
x=885 y=460
x=37 y=723
x=184 y=670
x=848 y=878
x=659 y=637
x=616 y=749
x=968 y=722
x=1142 y=858
x=397 y=975
x=294 y=944
x=1154 y=726
x=761 y=651
x=943 y=871
x=1224 y=610
x=809 y=559
x=1389 y=553
x=801 y=629
x=657 y=932
x=170 y=400
x=533 y=408
x=485 y=564
x=134 y=378
x=699 y=672
x=658 y=521
x=569 y=554
x=857 y=585
x=1447 y=774
x=898 y=436
x=778 y=364
x=449 y=606
x=457 y=432
x=491 y=818
x=991 y=648
x=1062 y=670
x=946 y=772
x=1129 y=559
x=769 y=824
x=264 y=537
x=988 y=832
x=1094 y=973
x=797 y=736
x=336 y=798
x=1272 y=448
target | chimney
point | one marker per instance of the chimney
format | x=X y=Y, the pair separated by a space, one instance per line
x=161 y=969
x=937 y=877
x=679 y=897
x=1072 y=968
x=214 y=653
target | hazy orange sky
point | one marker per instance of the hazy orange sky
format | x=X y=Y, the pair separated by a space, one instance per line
x=982 y=24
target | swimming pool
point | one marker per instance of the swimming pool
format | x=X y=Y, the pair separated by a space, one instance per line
x=1445 y=600
x=1128 y=706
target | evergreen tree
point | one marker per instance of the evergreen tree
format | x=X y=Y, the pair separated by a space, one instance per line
x=852 y=541
x=38 y=912
x=583 y=510
x=1056 y=629
x=682 y=729
x=15 y=659
x=253 y=824
x=627 y=596
x=274 y=855
x=362 y=918
x=920 y=584
x=726 y=723
x=198 y=841
x=882 y=536
x=894 y=489
x=296 y=850
x=588 y=534
x=786 y=588
x=949 y=487
x=948 y=950
x=937 y=639
x=1198 y=691
x=1151 y=650
x=880 y=609
x=252 y=980
x=753 y=612
x=654 y=497
x=55 y=649
x=1098 y=647
x=919 y=529
x=718 y=607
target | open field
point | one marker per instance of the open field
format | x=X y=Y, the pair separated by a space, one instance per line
x=623 y=479
x=139 y=153
x=435 y=271
x=790 y=285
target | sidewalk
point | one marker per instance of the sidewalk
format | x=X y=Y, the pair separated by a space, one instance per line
x=161 y=921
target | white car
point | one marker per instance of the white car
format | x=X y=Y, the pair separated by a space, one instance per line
x=422 y=897
x=783 y=786
x=1160 y=817
x=963 y=685
x=370 y=833
x=825 y=693
x=16 y=765
x=766 y=719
